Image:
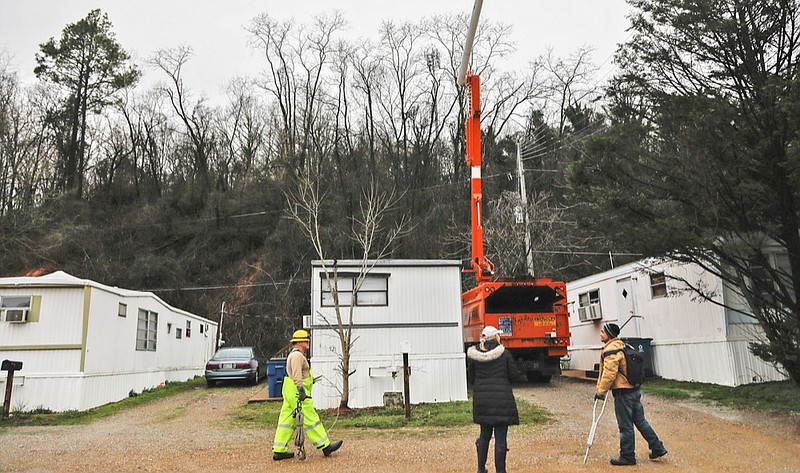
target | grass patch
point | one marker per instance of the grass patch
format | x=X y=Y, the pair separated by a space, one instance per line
x=45 y=417
x=782 y=397
x=172 y=414
x=439 y=415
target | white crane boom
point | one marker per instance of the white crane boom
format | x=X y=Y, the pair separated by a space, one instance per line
x=473 y=26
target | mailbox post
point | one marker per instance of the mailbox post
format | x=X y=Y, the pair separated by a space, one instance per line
x=405 y=347
x=9 y=366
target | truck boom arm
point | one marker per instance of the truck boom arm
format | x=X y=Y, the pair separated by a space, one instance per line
x=482 y=267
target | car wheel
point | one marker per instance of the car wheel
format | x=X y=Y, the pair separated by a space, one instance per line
x=210 y=383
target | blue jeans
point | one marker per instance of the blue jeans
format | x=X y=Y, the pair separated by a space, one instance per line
x=500 y=434
x=629 y=410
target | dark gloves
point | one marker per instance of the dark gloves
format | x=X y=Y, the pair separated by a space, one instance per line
x=599 y=397
x=301 y=394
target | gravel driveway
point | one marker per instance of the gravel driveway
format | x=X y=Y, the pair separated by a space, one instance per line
x=190 y=432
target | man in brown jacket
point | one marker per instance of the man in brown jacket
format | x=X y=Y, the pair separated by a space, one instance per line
x=627 y=399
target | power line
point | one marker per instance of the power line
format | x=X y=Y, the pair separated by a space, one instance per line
x=554 y=252
x=231 y=286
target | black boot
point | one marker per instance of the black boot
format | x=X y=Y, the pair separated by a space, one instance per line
x=483 y=451
x=658 y=453
x=332 y=447
x=622 y=461
x=282 y=455
x=500 y=451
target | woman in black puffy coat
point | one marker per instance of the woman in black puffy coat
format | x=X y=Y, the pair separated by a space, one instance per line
x=493 y=405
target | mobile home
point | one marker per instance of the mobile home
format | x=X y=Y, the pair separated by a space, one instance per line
x=691 y=339
x=84 y=344
x=410 y=307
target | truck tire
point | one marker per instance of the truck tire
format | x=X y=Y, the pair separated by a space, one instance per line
x=537 y=377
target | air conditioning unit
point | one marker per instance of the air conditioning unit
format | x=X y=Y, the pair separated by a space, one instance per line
x=594 y=312
x=591 y=312
x=16 y=315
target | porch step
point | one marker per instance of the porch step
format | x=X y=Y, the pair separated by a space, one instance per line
x=590 y=375
x=263 y=396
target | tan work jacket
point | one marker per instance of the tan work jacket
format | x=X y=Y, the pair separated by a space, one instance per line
x=611 y=366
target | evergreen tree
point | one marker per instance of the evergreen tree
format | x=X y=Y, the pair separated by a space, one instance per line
x=701 y=160
x=89 y=67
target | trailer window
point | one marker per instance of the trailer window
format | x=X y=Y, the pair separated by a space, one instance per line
x=658 y=285
x=15 y=308
x=146 y=330
x=374 y=290
x=771 y=274
x=589 y=306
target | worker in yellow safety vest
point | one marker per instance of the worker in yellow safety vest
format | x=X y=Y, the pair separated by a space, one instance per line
x=297 y=389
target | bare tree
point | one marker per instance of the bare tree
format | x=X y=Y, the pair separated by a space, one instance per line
x=297 y=59
x=368 y=73
x=243 y=129
x=399 y=94
x=375 y=236
x=196 y=117
x=17 y=144
x=571 y=81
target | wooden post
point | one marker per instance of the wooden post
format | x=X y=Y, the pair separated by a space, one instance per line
x=406 y=387
x=9 y=366
x=7 y=401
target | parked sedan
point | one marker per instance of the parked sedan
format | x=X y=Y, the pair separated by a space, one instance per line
x=235 y=364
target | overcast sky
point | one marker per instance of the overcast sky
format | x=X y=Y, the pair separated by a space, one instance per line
x=215 y=29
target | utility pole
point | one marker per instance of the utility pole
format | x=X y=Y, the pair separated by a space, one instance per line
x=523 y=195
x=219 y=329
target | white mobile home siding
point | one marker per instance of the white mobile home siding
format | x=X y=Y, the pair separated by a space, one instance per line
x=81 y=353
x=691 y=338
x=423 y=315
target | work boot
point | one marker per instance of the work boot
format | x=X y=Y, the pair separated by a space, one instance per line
x=657 y=454
x=282 y=455
x=500 y=451
x=623 y=461
x=332 y=447
x=483 y=451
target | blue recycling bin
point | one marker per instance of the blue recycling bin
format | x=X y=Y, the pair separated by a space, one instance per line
x=276 y=370
x=645 y=348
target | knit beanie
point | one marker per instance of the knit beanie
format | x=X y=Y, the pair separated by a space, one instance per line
x=612 y=330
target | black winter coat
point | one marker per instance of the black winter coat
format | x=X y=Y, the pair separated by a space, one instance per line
x=492 y=397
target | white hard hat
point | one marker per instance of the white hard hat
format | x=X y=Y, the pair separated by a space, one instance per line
x=490 y=331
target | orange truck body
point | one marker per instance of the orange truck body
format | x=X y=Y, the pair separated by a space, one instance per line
x=531 y=312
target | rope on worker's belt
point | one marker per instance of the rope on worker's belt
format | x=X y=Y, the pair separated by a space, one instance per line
x=299 y=432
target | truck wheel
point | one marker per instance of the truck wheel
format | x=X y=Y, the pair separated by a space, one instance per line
x=536 y=377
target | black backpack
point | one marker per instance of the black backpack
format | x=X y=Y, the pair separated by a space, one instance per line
x=635 y=363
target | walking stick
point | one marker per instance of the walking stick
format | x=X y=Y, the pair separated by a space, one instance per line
x=595 y=421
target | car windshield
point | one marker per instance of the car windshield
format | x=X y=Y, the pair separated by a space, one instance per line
x=233 y=353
